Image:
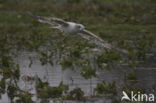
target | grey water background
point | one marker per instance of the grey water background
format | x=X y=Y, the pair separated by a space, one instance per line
x=146 y=77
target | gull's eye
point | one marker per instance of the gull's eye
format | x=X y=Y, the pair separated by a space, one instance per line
x=80 y=27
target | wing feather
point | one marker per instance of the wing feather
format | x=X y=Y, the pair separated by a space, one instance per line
x=102 y=42
x=94 y=37
x=91 y=34
x=51 y=20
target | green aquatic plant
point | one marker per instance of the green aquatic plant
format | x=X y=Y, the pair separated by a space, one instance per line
x=109 y=56
x=50 y=92
x=103 y=88
x=45 y=92
x=76 y=94
x=132 y=77
x=24 y=97
x=67 y=63
x=88 y=72
x=112 y=20
x=143 y=45
x=46 y=57
x=2 y=86
x=106 y=59
x=76 y=53
x=64 y=87
x=12 y=91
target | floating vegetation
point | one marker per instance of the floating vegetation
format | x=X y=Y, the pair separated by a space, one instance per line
x=103 y=88
x=44 y=91
x=24 y=97
x=88 y=72
x=67 y=63
x=107 y=59
x=143 y=46
x=76 y=94
x=12 y=91
x=118 y=22
x=132 y=77
x=46 y=57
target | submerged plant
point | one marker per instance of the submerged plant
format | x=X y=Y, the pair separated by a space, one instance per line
x=12 y=91
x=24 y=97
x=88 y=72
x=45 y=92
x=111 y=22
x=67 y=63
x=76 y=94
x=103 y=88
x=108 y=58
x=132 y=77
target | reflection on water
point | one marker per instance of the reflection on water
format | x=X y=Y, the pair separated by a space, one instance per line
x=54 y=75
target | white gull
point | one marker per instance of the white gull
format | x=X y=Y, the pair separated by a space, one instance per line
x=74 y=29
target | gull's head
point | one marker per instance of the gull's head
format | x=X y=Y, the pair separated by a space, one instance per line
x=80 y=27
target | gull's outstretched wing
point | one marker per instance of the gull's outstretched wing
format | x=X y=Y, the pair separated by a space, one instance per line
x=51 y=20
x=90 y=36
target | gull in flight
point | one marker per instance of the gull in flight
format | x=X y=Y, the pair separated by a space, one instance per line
x=75 y=28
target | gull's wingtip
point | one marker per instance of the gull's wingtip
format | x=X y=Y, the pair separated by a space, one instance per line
x=28 y=13
x=31 y=15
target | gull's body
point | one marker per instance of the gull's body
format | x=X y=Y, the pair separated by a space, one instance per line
x=75 y=28
x=70 y=29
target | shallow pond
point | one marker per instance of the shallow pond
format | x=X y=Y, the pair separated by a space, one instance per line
x=146 y=77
